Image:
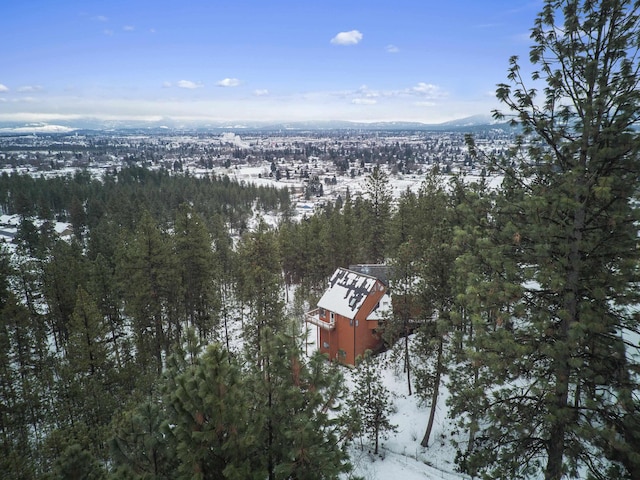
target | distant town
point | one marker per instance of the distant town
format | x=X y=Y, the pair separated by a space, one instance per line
x=316 y=165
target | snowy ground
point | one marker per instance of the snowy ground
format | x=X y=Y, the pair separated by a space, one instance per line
x=9 y=229
x=401 y=455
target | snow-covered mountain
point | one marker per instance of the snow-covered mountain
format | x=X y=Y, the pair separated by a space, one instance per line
x=35 y=128
x=472 y=123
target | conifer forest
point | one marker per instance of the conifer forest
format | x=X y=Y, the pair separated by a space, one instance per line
x=163 y=337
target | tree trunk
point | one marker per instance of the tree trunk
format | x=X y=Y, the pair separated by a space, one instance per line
x=375 y=451
x=407 y=358
x=473 y=427
x=557 y=432
x=434 y=397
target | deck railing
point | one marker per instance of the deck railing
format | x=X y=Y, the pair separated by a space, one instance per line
x=314 y=317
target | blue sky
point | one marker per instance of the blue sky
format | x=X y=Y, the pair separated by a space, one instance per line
x=265 y=60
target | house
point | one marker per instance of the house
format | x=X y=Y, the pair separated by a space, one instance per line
x=350 y=312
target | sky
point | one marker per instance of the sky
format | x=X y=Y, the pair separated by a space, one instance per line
x=205 y=61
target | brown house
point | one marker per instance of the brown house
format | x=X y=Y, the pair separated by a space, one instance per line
x=349 y=313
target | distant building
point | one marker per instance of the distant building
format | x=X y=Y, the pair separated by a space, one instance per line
x=350 y=312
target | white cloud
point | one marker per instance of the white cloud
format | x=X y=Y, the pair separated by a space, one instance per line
x=409 y=102
x=352 y=37
x=364 y=101
x=24 y=100
x=392 y=49
x=108 y=32
x=229 y=82
x=188 y=84
x=128 y=28
x=101 y=18
x=423 y=93
x=261 y=92
x=29 y=88
x=427 y=90
x=367 y=92
x=3 y=88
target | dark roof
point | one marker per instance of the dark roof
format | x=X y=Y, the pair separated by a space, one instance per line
x=379 y=271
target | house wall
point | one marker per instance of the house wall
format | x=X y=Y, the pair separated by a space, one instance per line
x=366 y=338
x=338 y=343
x=329 y=343
x=328 y=338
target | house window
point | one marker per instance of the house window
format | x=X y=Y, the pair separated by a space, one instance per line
x=325 y=344
x=351 y=322
x=332 y=316
x=322 y=312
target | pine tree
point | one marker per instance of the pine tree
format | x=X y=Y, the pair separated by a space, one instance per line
x=77 y=464
x=372 y=402
x=398 y=327
x=77 y=217
x=339 y=243
x=28 y=238
x=209 y=418
x=64 y=271
x=84 y=394
x=474 y=217
x=226 y=261
x=296 y=413
x=289 y=248
x=195 y=261
x=378 y=214
x=436 y=222
x=422 y=278
x=552 y=321
x=147 y=275
x=140 y=447
x=319 y=429
x=260 y=284
x=404 y=261
x=25 y=374
x=103 y=287
x=18 y=390
x=86 y=350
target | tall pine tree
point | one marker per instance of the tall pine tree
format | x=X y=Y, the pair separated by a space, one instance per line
x=553 y=329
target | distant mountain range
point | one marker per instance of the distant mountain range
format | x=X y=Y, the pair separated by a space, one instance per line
x=473 y=123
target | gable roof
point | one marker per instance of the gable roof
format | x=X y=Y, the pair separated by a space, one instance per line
x=347 y=292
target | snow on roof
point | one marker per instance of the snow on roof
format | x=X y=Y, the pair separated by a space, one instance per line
x=347 y=292
x=61 y=227
x=382 y=310
x=10 y=219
